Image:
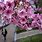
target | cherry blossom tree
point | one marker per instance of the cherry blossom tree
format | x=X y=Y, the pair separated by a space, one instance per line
x=20 y=13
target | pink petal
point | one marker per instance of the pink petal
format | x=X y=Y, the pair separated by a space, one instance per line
x=23 y=20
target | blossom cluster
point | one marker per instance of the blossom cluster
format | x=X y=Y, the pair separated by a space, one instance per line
x=20 y=13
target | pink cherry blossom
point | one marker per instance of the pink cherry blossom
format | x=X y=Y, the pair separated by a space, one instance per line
x=14 y=21
x=31 y=15
x=8 y=11
x=23 y=20
x=6 y=20
x=35 y=24
x=40 y=16
x=22 y=13
x=36 y=18
x=30 y=10
x=1 y=7
x=10 y=4
x=25 y=27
